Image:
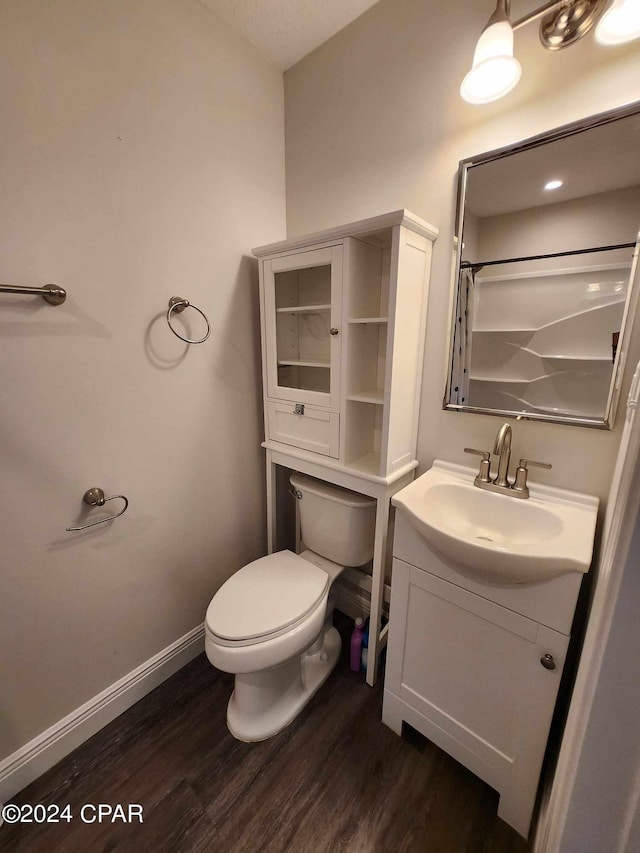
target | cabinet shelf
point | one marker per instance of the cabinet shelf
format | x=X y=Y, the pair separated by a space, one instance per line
x=378 y=320
x=375 y=395
x=367 y=464
x=300 y=362
x=303 y=309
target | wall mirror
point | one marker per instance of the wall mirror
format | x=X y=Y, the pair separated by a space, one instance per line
x=547 y=256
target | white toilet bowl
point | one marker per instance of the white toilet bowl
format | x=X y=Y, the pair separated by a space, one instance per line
x=269 y=624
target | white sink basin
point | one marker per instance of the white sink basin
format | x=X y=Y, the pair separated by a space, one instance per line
x=499 y=538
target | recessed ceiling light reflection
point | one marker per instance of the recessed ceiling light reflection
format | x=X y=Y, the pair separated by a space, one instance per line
x=553 y=185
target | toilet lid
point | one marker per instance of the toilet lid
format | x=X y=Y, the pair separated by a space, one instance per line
x=266 y=596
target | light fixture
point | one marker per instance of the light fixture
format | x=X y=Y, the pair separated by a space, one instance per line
x=553 y=185
x=620 y=23
x=495 y=70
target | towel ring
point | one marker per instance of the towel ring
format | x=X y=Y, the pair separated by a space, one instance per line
x=95 y=497
x=177 y=304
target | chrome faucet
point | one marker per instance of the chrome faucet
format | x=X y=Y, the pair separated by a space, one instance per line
x=502 y=449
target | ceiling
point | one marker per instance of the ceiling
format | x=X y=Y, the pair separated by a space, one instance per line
x=597 y=160
x=286 y=30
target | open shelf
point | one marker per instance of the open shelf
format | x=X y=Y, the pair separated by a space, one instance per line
x=367 y=345
x=504 y=331
x=369 y=272
x=367 y=464
x=568 y=320
x=568 y=393
x=375 y=396
x=594 y=358
x=511 y=380
x=361 y=578
x=363 y=435
x=561 y=362
x=567 y=410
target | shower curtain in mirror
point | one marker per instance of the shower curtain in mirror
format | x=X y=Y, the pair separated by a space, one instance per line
x=459 y=394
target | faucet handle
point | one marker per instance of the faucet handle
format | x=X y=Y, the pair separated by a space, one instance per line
x=520 y=484
x=484 y=475
x=524 y=463
x=484 y=453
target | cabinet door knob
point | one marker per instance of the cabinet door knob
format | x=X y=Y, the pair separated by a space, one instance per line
x=548 y=662
x=333 y=330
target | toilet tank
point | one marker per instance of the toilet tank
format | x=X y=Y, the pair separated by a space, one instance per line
x=336 y=523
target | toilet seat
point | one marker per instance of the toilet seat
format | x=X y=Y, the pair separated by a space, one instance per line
x=265 y=599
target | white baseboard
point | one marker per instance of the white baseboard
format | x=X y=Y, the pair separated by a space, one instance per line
x=40 y=754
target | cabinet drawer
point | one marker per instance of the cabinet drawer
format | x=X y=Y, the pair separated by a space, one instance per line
x=317 y=430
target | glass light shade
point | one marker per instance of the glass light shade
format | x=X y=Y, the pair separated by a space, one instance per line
x=495 y=71
x=620 y=23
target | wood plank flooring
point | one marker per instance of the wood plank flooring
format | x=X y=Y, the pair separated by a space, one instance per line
x=336 y=780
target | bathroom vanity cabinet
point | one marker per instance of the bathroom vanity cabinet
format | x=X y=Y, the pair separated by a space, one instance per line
x=343 y=316
x=476 y=667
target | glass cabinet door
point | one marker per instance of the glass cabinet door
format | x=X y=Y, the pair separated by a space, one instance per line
x=303 y=295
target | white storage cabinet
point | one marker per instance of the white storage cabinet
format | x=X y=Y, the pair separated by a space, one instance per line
x=343 y=316
x=343 y=324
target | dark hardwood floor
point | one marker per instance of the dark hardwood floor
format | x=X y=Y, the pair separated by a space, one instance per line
x=335 y=780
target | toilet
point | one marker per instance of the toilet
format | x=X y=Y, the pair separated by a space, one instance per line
x=270 y=624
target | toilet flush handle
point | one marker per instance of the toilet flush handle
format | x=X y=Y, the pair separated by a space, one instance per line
x=296 y=493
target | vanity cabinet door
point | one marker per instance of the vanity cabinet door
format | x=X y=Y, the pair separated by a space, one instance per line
x=468 y=675
x=303 y=318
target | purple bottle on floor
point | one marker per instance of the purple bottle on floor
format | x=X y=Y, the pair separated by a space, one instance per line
x=356 y=644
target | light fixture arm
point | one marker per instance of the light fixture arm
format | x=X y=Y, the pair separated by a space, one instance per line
x=502 y=12
x=540 y=12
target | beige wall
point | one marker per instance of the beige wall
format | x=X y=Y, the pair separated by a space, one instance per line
x=141 y=156
x=374 y=122
x=604 y=809
x=603 y=219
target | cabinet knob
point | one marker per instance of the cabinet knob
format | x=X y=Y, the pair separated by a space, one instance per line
x=333 y=330
x=548 y=662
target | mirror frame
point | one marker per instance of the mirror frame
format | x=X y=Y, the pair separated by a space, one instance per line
x=618 y=368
